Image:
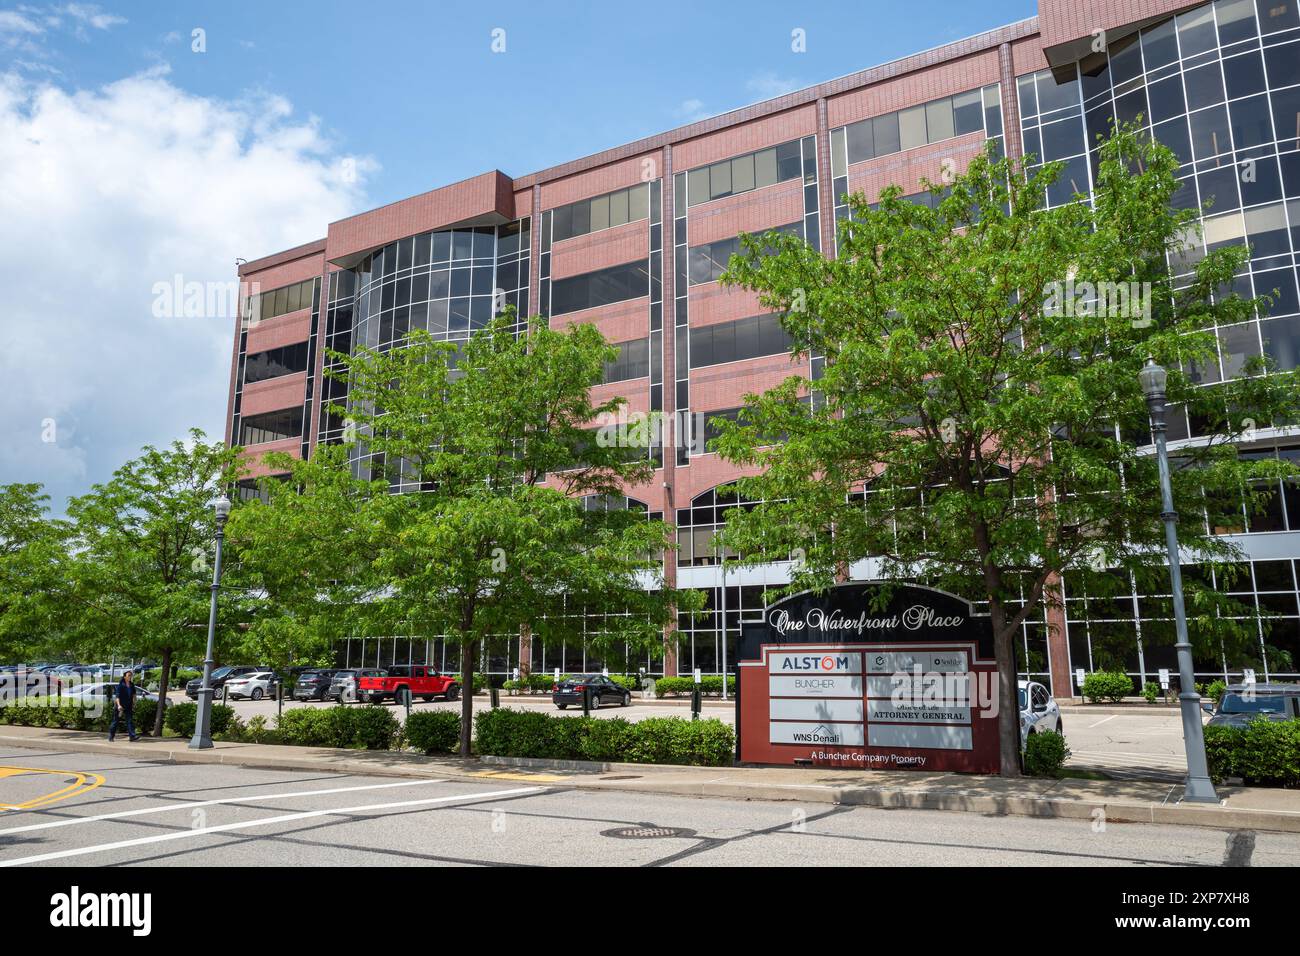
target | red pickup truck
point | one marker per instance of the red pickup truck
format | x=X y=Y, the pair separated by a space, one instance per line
x=400 y=680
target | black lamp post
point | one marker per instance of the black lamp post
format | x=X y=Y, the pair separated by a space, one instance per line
x=1197 y=786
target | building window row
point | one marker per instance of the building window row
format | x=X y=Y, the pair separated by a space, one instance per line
x=709 y=259
x=920 y=125
x=630 y=280
x=740 y=339
x=633 y=361
x=273 y=363
x=268 y=305
x=741 y=174
x=271 y=426
x=601 y=212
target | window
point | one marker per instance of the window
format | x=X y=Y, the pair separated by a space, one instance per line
x=273 y=426
x=601 y=212
x=633 y=361
x=743 y=173
x=709 y=259
x=602 y=287
x=290 y=298
x=741 y=339
x=275 y=362
x=929 y=122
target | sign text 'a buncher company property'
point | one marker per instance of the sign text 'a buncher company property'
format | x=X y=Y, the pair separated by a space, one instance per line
x=839 y=679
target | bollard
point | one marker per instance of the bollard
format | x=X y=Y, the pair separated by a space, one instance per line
x=279 y=699
x=695 y=702
x=586 y=701
x=406 y=699
x=224 y=692
x=494 y=697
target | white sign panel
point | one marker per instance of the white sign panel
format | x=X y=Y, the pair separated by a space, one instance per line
x=926 y=713
x=938 y=662
x=939 y=687
x=1164 y=677
x=827 y=734
x=922 y=738
x=814 y=662
x=1079 y=676
x=833 y=685
x=817 y=710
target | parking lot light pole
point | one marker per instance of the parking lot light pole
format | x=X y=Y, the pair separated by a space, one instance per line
x=1197 y=786
x=202 y=739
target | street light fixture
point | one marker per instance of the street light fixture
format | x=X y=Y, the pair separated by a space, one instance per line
x=1197 y=786
x=202 y=739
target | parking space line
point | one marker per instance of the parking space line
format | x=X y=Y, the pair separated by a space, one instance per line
x=83 y=784
x=1103 y=720
x=262 y=821
x=193 y=804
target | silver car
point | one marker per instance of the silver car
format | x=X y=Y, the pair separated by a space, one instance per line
x=1038 y=710
x=1242 y=703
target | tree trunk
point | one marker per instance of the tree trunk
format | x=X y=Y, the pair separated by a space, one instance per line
x=466 y=693
x=163 y=683
x=1008 y=694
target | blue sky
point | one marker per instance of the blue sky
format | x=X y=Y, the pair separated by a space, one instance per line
x=141 y=165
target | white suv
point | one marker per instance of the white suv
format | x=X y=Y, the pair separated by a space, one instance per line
x=1038 y=710
x=254 y=686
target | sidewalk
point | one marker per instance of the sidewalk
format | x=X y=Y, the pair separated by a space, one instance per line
x=1132 y=801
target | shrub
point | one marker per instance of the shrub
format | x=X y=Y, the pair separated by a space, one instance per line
x=1264 y=752
x=355 y=728
x=434 y=731
x=1107 y=685
x=1045 y=754
x=1151 y=691
x=180 y=718
x=71 y=716
x=1215 y=690
x=511 y=733
x=710 y=685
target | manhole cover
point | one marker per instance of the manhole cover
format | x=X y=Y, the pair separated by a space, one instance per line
x=647 y=833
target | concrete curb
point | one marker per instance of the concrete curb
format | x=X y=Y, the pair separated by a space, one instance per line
x=1069 y=799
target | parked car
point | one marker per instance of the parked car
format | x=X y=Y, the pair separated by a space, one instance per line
x=219 y=678
x=602 y=690
x=1242 y=703
x=104 y=690
x=1038 y=710
x=254 y=686
x=401 y=680
x=313 y=684
x=343 y=685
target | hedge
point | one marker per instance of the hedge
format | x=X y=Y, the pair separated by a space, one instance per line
x=72 y=716
x=180 y=718
x=355 y=728
x=542 y=683
x=434 y=731
x=710 y=685
x=670 y=740
x=1112 y=686
x=1264 y=752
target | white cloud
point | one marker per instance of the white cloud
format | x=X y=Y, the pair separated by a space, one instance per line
x=91 y=15
x=104 y=193
x=768 y=85
x=691 y=110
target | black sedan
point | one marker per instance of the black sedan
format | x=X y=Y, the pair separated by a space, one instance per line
x=602 y=690
x=313 y=684
x=1242 y=703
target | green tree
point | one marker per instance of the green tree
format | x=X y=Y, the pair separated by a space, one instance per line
x=32 y=550
x=978 y=426
x=513 y=523
x=141 y=561
x=305 y=555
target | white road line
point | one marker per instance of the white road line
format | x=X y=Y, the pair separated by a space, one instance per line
x=261 y=821
x=117 y=815
x=1103 y=720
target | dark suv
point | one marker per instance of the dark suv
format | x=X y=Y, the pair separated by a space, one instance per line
x=1242 y=703
x=219 y=677
x=313 y=684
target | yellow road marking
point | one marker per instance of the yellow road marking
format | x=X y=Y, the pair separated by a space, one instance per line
x=507 y=775
x=84 y=783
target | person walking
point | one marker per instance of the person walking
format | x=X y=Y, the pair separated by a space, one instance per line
x=124 y=707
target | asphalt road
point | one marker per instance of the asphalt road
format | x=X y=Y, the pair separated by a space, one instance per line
x=92 y=810
x=1138 y=744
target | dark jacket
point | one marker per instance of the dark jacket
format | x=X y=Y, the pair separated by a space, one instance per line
x=125 y=694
